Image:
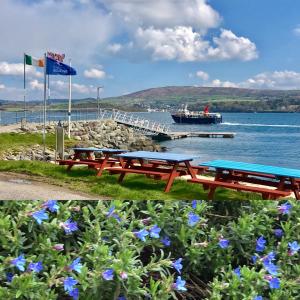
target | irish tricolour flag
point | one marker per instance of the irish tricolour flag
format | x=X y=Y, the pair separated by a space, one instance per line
x=29 y=60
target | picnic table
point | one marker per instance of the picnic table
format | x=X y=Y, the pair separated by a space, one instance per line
x=271 y=182
x=86 y=156
x=165 y=166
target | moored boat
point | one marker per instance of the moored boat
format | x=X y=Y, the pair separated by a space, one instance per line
x=185 y=116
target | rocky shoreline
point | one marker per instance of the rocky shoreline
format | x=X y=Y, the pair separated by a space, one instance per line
x=100 y=134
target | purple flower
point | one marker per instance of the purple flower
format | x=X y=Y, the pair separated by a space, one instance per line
x=122 y=298
x=179 y=285
x=260 y=244
x=76 y=265
x=69 y=226
x=40 y=215
x=69 y=283
x=294 y=248
x=108 y=274
x=52 y=205
x=258 y=297
x=58 y=247
x=141 y=234
x=123 y=275
x=284 y=208
x=19 y=262
x=237 y=272
x=271 y=268
x=154 y=231
x=274 y=283
x=223 y=243
x=278 y=232
x=74 y=294
x=9 y=277
x=166 y=241
x=269 y=257
x=177 y=265
x=35 y=267
x=193 y=219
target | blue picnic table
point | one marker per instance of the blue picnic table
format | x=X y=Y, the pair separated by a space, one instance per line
x=232 y=174
x=159 y=165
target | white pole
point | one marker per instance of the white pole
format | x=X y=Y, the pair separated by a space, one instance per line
x=44 y=110
x=69 y=108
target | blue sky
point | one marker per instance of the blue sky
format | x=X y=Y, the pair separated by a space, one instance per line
x=130 y=45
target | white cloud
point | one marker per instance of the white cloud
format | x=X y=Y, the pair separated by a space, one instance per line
x=167 y=13
x=114 y=48
x=296 y=30
x=60 y=88
x=94 y=73
x=219 y=83
x=203 y=75
x=2 y=86
x=18 y=70
x=73 y=27
x=36 y=85
x=183 y=44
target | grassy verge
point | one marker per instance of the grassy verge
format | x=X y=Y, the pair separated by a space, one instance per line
x=13 y=141
x=134 y=187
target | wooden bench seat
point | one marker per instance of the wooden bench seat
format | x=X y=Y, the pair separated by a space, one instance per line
x=266 y=193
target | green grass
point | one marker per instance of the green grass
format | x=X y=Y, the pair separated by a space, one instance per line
x=134 y=187
x=12 y=141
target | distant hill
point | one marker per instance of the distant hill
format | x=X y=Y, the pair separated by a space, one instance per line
x=173 y=97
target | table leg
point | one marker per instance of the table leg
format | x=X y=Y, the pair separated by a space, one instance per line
x=190 y=169
x=128 y=163
x=171 y=178
x=103 y=164
x=90 y=156
x=296 y=188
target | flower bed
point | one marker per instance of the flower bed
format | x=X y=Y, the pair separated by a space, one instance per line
x=149 y=250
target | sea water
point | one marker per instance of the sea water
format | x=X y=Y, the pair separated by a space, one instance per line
x=265 y=138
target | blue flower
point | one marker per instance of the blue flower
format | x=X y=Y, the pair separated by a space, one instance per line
x=74 y=294
x=141 y=234
x=274 y=283
x=278 y=232
x=194 y=204
x=166 y=241
x=69 y=226
x=9 y=277
x=269 y=257
x=154 y=231
x=35 y=267
x=223 y=243
x=19 y=262
x=76 y=265
x=254 y=258
x=193 y=219
x=40 y=215
x=112 y=214
x=294 y=248
x=284 y=208
x=258 y=297
x=108 y=274
x=69 y=283
x=260 y=244
x=179 y=285
x=271 y=268
x=122 y=298
x=237 y=272
x=52 y=205
x=177 y=265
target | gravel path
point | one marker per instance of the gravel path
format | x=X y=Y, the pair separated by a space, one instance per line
x=23 y=187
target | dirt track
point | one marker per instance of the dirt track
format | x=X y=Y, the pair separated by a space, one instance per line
x=22 y=187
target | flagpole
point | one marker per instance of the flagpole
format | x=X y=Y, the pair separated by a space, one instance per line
x=44 y=110
x=69 y=107
x=24 y=87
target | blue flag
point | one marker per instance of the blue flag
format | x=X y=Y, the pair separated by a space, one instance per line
x=54 y=67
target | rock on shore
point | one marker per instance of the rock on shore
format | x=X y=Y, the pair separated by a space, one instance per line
x=101 y=134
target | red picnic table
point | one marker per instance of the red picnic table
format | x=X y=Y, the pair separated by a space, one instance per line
x=165 y=166
x=86 y=156
x=271 y=182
